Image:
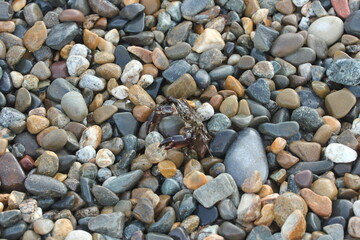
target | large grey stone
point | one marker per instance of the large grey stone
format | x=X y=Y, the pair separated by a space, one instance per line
x=123 y=182
x=246 y=155
x=111 y=224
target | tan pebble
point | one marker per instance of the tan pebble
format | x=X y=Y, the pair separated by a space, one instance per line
x=285 y=204
x=35 y=36
x=3 y=146
x=288 y=98
x=260 y=15
x=109 y=70
x=159 y=59
x=91 y=136
x=144 y=54
x=231 y=83
x=253 y=183
x=7 y=26
x=97 y=102
x=267 y=215
x=278 y=145
x=286 y=159
x=91 y=40
x=112 y=36
x=62 y=228
x=208 y=39
x=248 y=25
x=151 y=6
x=103 y=113
x=216 y=101
x=167 y=168
x=265 y=190
x=36 y=124
x=185 y=86
x=354 y=227
x=333 y=123
x=285 y=6
x=2 y=50
x=150 y=69
x=194 y=180
x=323 y=134
x=141 y=112
x=294 y=227
x=325 y=187
x=60 y=177
x=154 y=153
x=17 y=5
x=306 y=151
x=103 y=57
x=190 y=223
x=71 y=15
x=339 y=103
x=192 y=165
x=176 y=157
x=348 y=39
x=106 y=46
x=352 y=181
x=341 y=55
x=139 y=96
x=229 y=106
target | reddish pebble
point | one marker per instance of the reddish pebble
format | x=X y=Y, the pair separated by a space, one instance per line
x=59 y=70
x=27 y=163
x=71 y=15
x=341 y=8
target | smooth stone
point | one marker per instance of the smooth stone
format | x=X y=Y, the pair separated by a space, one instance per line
x=202 y=79
x=179 y=33
x=309 y=99
x=144 y=211
x=136 y=25
x=179 y=233
x=340 y=103
x=217 y=123
x=66 y=203
x=318 y=167
x=29 y=142
x=351 y=26
x=123 y=182
x=227 y=209
x=328 y=28
x=336 y=231
x=313 y=222
x=294 y=226
x=140 y=39
x=282 y=129
x=176 y=70
x=178 y=51
x=131 y=11
x=126 y=123
x=45 y=186
x=110 y=224
x=170 y=125
x=78 y=235
x=170 y=187
x=163 y=225
x=254 y=155
x=9 y=218
x=104 y=196
x=6 y=11
x=344 y=71
x=208 y=39
x=301 y=56
x=221 y=72
x=187 y=206
x=74 y=106
x=15 y=231
x=221 y=142
x=286 y=44
x=308 y=118
x=122 y=56
x=207 y=215
x=54 y=140
x=183 y=87
x=258 y=109
x=62 y=34
x=285 y=204
x=35 y=36
x=211 y=59
x=339 y=153
x=11 y=174
x=353 y=227
x=342 y=207
x=231 y=231
x=6 y=84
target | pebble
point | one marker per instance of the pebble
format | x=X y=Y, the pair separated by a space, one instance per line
x=92 y=82
x=35 y=37
x=264 y=38
x=286 y=204
x=131 y=73
x=43 y=226
x=344 y=71
x=184 y=86
x=123 y=182
x=325 y=187
x=78 y=235
x=45 y=186
x=214 y=191
x=350 y=24
x=340 y=103
x=104 y=8
x=306 y=151
x=104 y=196
x=62 y=34
x=76 y=65
x=11 y=174
x=110 y=224
x=295 y=226
x=208 y=39
x=176 y=70
x=255 y=155
x=339 y=153
x=308 y=118
x=260 y=232
x=330 y=26
x=259 y=91
x=249 y=208
x=320 y=205
x=74 y=106
x=353 y=227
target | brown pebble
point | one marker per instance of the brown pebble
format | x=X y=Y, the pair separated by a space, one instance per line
x=352 y=181
x=306 y=151
x=294 y=227
x=150 y=69
x=7 y=26
x=36 y=124
x=144 y=54
x=267 y=215
x=139 y=96
x=91 y=40
x=192 y=165
x=103 y=113
x=11 y=174
x=325 y=187
x=253 y=183
x=278 y=145
x=3 y=146
x=286 y=159
x=231 y=83
x=320 y=205
x=288 y=98
x=216 y=101
x=141 y=112
x=167 y=168
x=194 y=180
x=151 y=6
x=339 y=103
x=35 y=36
x=159 y=59
x=285 y=204
x=71 y=15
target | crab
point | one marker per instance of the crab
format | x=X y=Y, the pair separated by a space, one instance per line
x=195 y=134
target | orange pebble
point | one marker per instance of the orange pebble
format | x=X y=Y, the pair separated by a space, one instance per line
x=333 y=122
x=278 y=145
x=167 y=168
x=194 y=180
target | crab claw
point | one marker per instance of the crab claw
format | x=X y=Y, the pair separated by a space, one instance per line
x=176 y=141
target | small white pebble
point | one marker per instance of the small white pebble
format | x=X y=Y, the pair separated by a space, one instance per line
x=146 y=80
x=120 y=92
x=85 y=154
x=205 y=111
x=339 y=153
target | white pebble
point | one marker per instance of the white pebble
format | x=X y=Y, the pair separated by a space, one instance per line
x=92 y=82
x=131 y=73
x=205 y=111
x=234 y=59
x=339 y=153
x=78 y=235
x=113 y=36
x=85 y=154
x=299 y=3
x=146 y=80
x=79 y=49
x=356 y=208
x=104 y=157
x=76 y=65
x=355 y=129
x=120 y=92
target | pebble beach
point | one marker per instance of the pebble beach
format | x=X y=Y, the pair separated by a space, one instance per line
x=179 y=120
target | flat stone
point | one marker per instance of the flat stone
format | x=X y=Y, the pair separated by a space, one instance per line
x=35 y=36
x=123 y=182
x=321 y=205
x=104 y=196
x=111 y=224
x=208 y=39
x=62 y=34
x=54 y=140
x=328 y=28
x=340 y=103
x=308 y=118
x=306 y=151
x=295 y=226
x=45 y=186
x=214 y=191
x=259 y=91
x=176 y=70
x=318 y=167
x=104 y=8
x=286 y=44
x=254 y=155
x=264 y=38
x=9 y=218
x=126 y=123
x=301 y=56
x=192 y=7
x=282 y=129
x=11 y=174
x=184 y=86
